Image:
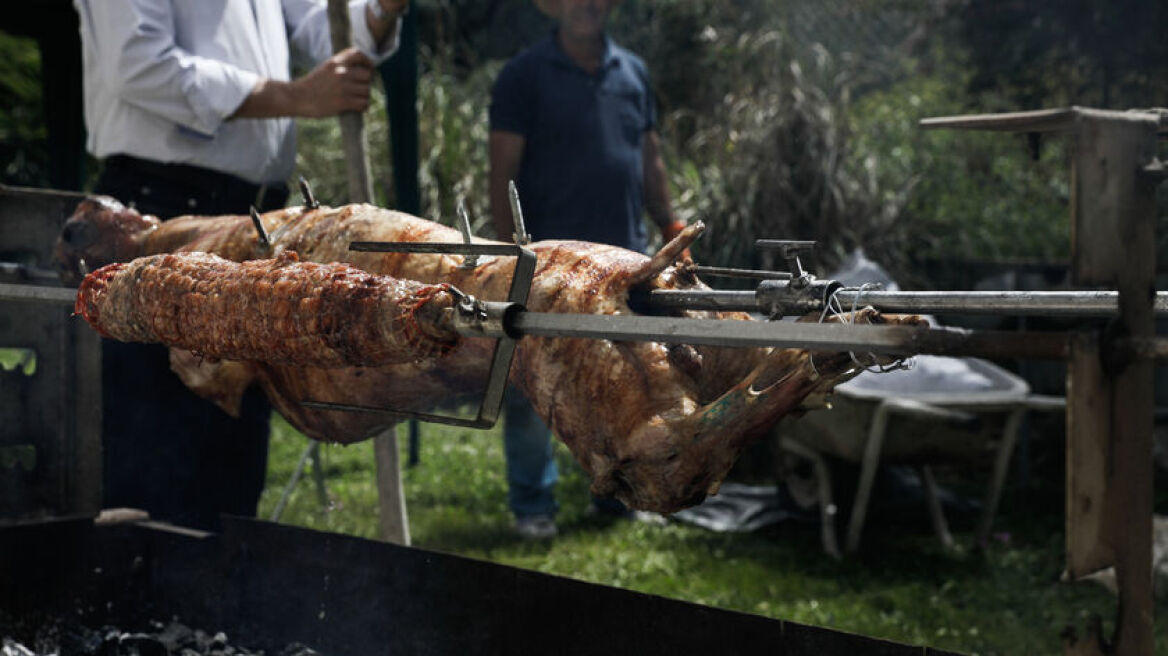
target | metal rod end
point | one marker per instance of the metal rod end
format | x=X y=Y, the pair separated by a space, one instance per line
x=306 y=193
x=259 y=226
x=521 y=237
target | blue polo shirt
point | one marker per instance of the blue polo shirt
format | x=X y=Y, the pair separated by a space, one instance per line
x=582 y=175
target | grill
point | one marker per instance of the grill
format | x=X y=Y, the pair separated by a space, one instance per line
x=267 y=585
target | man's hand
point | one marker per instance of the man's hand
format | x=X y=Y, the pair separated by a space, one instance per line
x=339 y=84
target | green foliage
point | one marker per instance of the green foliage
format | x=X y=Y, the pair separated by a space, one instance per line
x=1057 y=52
x=773 y=157
x=452 y=124
x=764 y=142
x=962 y=194
x=18 y=359
x=22 y=128
x=902 y=586
x=320 y=156
x=773 y=136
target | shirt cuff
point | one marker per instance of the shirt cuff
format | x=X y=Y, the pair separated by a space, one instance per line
x=216 y=93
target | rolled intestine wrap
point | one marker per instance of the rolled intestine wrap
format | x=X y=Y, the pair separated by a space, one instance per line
x=281 y=311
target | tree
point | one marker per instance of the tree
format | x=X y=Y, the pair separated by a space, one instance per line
x=1044 y=53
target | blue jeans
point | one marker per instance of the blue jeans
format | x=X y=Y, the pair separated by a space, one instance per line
x=531 y=469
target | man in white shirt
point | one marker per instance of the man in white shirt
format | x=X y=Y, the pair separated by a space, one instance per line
x=190 y=106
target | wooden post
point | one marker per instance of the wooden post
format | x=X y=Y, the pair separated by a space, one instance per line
x=1110 y=402
x=394 y=523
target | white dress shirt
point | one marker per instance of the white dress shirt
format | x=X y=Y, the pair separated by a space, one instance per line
x=162 y=77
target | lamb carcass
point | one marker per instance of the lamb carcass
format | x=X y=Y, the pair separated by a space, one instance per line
x=656 y=426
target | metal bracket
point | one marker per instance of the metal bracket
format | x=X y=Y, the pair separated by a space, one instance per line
x=783 y=298
x=474 y=312
x=802 y=293
x=789 y=250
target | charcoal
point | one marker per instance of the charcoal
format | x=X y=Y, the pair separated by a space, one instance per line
x=68 y=637
x=13 y=648
x=74 y=640
x=297 y=649
x=174 y=635
x=141 y=644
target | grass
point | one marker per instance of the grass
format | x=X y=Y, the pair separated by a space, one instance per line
x=903 y=586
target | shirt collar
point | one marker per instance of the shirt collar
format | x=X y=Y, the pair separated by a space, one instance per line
x=553 y=51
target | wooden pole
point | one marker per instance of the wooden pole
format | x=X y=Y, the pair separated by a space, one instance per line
x=391 y=500
x=352 y=123
x=394 y=521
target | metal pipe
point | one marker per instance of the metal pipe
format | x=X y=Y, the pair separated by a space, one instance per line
x=698 y=299
x=890 y=340
x=1048 y=304
x=1018 y=303
x=56 y=295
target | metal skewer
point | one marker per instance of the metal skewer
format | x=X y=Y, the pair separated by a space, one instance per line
x=730 y=272
x=521 y=237
x=472 y=260
x=265 y=241
x=310 y=201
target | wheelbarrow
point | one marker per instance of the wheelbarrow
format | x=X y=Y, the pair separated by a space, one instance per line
x=943 y=410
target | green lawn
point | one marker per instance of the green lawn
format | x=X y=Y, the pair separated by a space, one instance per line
x=903 y=586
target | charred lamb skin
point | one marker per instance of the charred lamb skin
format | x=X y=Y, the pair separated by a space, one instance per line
x=654 y=425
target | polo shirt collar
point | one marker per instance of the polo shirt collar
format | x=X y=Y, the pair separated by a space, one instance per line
x=553 y=51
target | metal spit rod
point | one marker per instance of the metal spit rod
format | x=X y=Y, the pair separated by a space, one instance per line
x=42 y=293
x=1015 y=303
x=1049 y=304
x=496 y=319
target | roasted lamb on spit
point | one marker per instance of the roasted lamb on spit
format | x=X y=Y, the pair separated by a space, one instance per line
x=658 y=426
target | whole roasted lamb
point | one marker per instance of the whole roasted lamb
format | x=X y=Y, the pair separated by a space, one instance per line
x=658 y=426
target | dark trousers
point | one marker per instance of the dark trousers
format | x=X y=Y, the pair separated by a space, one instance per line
x=166 y=450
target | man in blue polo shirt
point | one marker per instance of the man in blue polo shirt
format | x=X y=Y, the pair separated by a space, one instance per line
x=573 y=123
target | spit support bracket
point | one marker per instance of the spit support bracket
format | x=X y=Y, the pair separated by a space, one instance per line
x=473 y=316
x=802 y=292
